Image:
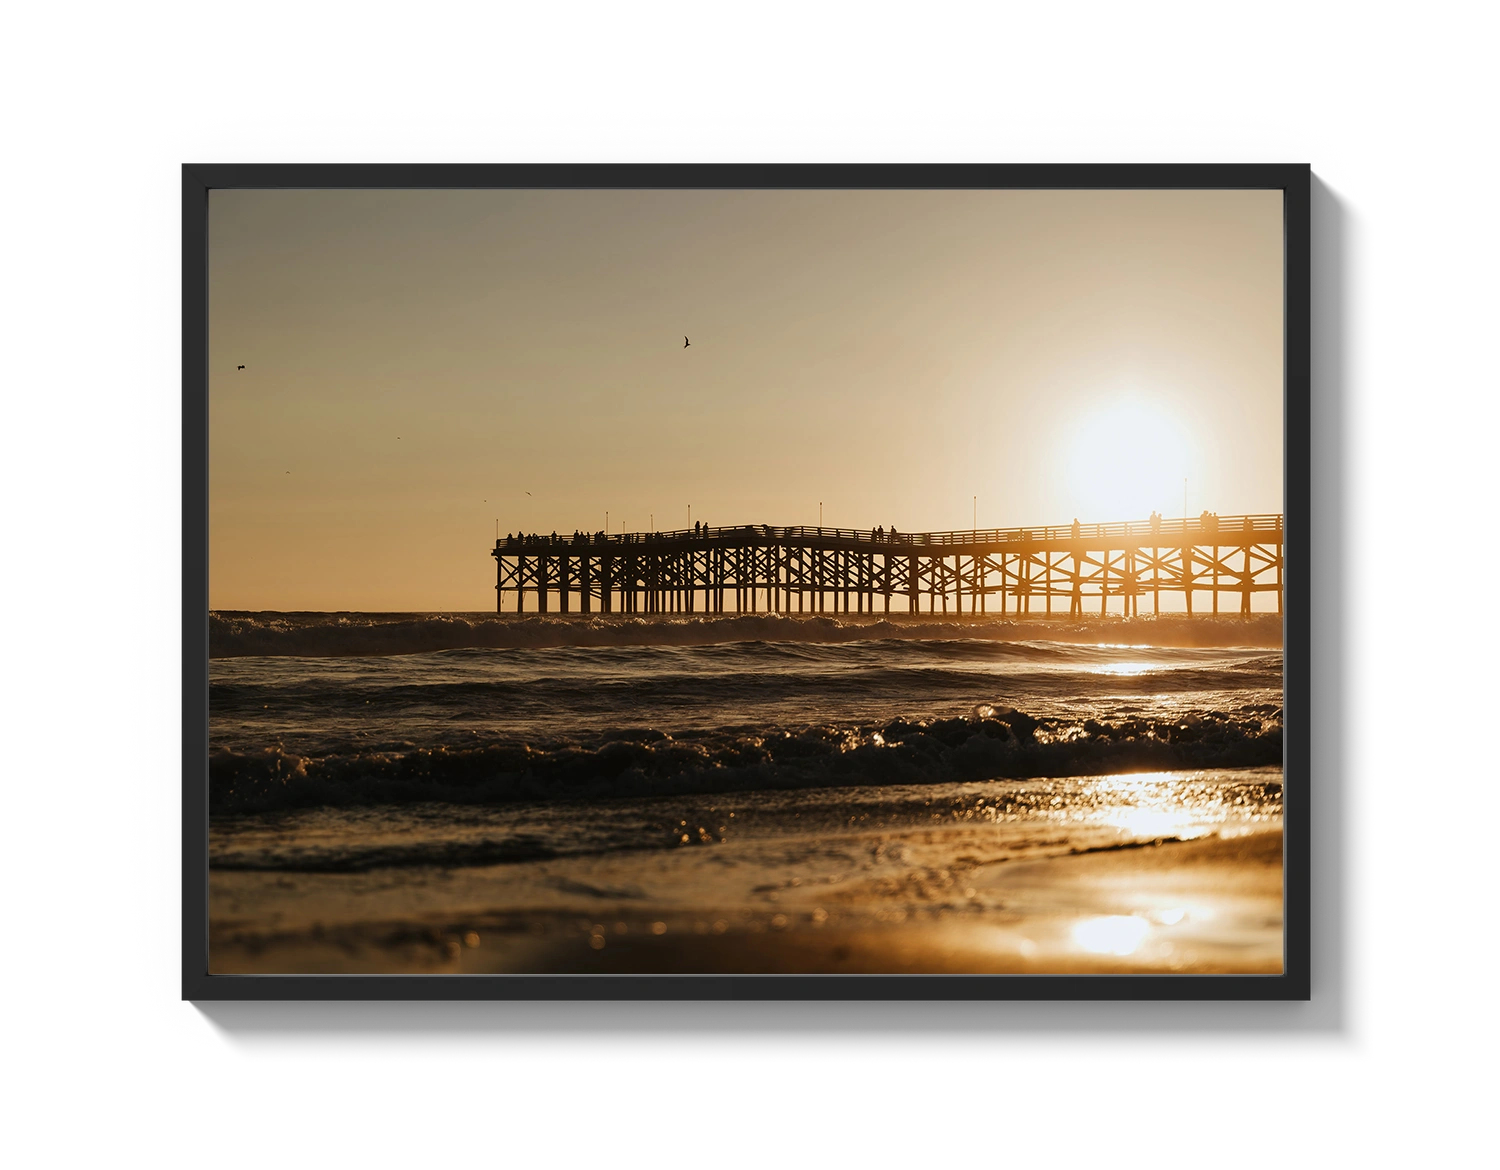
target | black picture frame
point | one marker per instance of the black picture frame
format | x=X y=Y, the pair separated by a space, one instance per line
x=1329 y=282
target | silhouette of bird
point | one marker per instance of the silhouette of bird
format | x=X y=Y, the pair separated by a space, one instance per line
x=239 y=367
x=528 y=493
x=685 y=343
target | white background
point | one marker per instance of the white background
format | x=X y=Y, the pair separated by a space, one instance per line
x=1395 y=108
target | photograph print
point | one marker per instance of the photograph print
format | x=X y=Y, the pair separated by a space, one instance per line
x=759 y=581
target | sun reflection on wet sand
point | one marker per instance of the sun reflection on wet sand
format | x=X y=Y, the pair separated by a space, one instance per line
x=1114 y=934
x=1159 y=871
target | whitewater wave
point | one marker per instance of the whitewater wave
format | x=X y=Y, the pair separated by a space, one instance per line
x=992 y=743
x=315 y=635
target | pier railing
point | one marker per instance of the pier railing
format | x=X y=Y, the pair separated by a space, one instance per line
x=1169 y=531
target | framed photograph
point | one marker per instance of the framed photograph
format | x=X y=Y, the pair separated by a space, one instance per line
x=745 y=582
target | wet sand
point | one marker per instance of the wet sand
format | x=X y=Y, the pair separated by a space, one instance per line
x=1208 y=905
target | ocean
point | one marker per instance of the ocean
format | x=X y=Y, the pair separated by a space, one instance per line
x=442 y=792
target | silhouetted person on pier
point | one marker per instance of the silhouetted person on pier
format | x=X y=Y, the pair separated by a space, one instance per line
x=1077 y=528
x=1156 y=522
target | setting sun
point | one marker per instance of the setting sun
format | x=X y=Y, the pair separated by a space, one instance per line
x=1125 y=460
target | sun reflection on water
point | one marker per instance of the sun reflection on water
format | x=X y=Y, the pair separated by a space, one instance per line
x=1155 y=823
x=1158 y=804
x=1125 y=668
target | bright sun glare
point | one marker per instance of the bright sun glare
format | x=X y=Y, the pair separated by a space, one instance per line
x=1125 y=460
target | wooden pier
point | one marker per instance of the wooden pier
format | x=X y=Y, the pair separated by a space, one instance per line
x=1070 y=570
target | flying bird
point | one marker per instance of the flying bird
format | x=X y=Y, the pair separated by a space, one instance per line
x=528 y=493
x=239 y=367
x=685 y=344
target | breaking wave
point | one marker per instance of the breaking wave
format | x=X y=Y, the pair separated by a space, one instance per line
x=992 y=743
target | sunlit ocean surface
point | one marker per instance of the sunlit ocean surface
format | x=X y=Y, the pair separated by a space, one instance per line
x=847 y=780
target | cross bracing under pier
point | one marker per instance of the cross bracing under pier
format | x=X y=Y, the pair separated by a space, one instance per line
x=1213 y=563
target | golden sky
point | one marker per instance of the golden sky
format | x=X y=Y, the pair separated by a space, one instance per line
x=417 y=362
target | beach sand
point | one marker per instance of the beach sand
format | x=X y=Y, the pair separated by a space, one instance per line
x=1208 y=905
